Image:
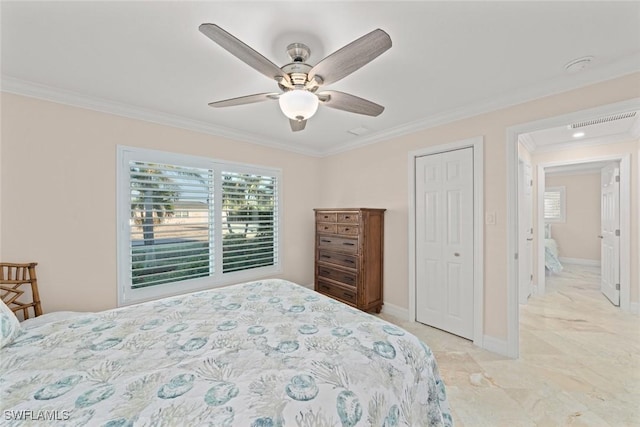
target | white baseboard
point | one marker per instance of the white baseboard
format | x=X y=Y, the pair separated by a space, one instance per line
x=580 y=261
x=309 y=286
x=396 y=311
x=495 y=345
x=634 y=307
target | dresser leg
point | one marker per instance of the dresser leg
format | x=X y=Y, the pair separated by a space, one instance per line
x=378 y=309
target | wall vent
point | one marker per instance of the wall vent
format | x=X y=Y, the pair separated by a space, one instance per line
x=601 y=120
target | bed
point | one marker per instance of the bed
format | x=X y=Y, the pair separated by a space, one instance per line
x=267 y=353
x=551 y=258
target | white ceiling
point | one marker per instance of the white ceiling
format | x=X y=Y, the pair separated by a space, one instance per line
x=449 y=59
x=590 y=130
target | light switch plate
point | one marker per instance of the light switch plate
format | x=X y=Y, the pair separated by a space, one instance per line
x=490 y=218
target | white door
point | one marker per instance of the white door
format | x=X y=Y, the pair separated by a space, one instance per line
x=610 y=232
x=444 y=241
x=525 y=236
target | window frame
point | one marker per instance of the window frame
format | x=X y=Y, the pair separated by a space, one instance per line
x=563 y=204
x=126 y=294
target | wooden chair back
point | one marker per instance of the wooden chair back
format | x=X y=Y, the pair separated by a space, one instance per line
x=15 y=281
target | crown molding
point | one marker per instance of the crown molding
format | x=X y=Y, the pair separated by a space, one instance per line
x=527 y=142
x=74 y=99
x=553 y=87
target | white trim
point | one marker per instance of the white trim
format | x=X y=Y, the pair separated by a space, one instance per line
x=495 y=345
x=477 y=143
x=26 y=88
x=74 y=99
x=513 y=317
x=580 y=261
x=625 y=219
x=394 y=310
x=125 y=293
x=540 y=277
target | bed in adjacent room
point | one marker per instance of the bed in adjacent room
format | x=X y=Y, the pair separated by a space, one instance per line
x=268 y=353
x=551 y=258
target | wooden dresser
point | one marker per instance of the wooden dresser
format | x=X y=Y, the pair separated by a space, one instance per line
x=349 y=256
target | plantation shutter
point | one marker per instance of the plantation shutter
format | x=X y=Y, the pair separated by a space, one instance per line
x=554 y=204
x=171 y=224
x=249 y=221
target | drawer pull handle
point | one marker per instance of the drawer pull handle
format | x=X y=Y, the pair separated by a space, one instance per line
x=324 y=287
x=347 y=229
x=325 y=241
x=325 y=256
x=347 y=217
x=327 y=272
x=349 y=244
x=350 y=261
x=348 y=278
x=326 y=228
x=346 y=295
x=326 y=216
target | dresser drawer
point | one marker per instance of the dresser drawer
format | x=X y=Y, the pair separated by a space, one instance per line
x=350 y=217
x=326 y=217
x=342 y=244
x=337 y=292
x=348 y=230
x=341 y=276
x=338 y=258
x=325 y=227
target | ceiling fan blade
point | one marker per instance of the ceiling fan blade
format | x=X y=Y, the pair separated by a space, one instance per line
x=351 y=57
x=351 y=103
x=297 y=125
x=249 y=99
x=243 y=52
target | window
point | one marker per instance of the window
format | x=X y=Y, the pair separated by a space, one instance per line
x=189 y=223
x=554 y=204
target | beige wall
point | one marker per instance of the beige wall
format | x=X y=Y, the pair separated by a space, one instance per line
x=631 y=148
x=58 y=195
x=577 y=237
x=377 y=176
x=60 y=161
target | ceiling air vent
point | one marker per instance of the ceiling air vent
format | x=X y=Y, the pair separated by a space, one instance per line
x=602 y=120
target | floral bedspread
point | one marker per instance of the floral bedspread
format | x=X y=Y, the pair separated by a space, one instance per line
x=269 y=353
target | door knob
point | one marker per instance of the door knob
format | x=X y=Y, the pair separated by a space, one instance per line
x=456 y=254
x=600 y=236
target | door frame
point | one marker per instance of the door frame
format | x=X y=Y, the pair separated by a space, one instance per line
x=477 y=143
x=625 y=221
x=513 y=315
x=521 y=162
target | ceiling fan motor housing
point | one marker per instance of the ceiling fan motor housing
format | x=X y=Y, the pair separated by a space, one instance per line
x=299 y=81
x=298 y=52
x=298 y=71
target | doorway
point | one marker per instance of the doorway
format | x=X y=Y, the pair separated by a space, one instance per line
x=471 y=165
x=444 y=241
x=513 y=134
x=525 y=230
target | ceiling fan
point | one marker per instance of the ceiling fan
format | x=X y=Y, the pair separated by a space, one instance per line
x=299 y=81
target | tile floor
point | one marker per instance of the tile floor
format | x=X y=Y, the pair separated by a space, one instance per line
x=579 y=362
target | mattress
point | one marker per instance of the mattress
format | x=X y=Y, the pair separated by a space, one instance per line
x=551 y=258
x=267 y=353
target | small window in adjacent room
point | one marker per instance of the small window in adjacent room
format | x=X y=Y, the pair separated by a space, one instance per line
x=554 y=204
x=187 y=223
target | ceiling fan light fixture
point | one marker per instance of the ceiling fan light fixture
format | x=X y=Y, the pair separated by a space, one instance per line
x=298 y=104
